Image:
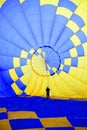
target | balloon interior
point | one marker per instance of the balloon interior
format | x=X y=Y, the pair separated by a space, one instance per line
x=43 y=64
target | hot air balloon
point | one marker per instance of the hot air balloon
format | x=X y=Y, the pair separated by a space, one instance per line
x=43 y=44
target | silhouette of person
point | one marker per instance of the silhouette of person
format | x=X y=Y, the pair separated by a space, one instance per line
x=47 y=92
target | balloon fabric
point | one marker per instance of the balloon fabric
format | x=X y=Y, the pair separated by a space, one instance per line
x=43 y=47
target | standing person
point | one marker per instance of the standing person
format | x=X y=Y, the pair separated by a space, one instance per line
x=47 y=92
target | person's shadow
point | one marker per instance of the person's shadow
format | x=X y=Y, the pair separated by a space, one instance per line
x=47 y=92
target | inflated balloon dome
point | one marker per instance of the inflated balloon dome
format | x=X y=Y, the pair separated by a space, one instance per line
x=43 y=43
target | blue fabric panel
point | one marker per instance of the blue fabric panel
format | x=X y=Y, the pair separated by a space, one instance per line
x=6 y=62
x=20 y=84
x=66 y=34
x=3 y=115
x=19 y=72
x=43 y=107
x=4 y=89
x=80 y=50
x=26 y=123
x=67 y=4
x=23 y=62
x=53 y=62
x=58 y=26
x=5 y=82
x=66 y=68
x=47 y=19
x=18 y=20
x=74 y=62
x=48 y=108
x=62 y=61
x=80 y=122
x=36 y=53
x=74 y=108
x=10 y=34
x=7 y=48
x=6 y=76
x=32 y=12
x=51 y=72
x=47 y=68
x=65 y=55
x=58 y=71
x=29 y=56
x=78 y=20
x=66 y=47
x=44 y=111
x=24 y=94
x=82 y=36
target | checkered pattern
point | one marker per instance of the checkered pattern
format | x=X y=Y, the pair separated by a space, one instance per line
x=72 y=46
x=51 y=70
x=29 y=120
x=59 y=24
x=16 y=73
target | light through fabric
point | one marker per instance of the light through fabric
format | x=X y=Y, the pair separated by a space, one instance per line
x=43 y=43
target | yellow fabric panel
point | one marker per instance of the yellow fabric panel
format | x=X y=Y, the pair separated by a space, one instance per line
x=22 y=115
x=16 y=62
x=54 y=91
x=26 y=69
x=31 y=84
x=37 y=86
x=16 y=89
x=54 y=69
x=13 y=74
x=82 y=62
x=31 y=51
x=24 y=54
x=64 y=11
x=39 y=50
x=21 y=1
x=43 y=86
x=51 y=2
x=78 y=88
x=28 y=61
x=4 y=125
x=73 y=81
x=82 y=13
x=85 y=48
x=49 y=68
x=78 y=74
x=58 y=87
x=2 y=110
x=61 y=66
x=25 y=79
x=80 y=128
x=63 y=90
x=84 y=29
x=27 y=74
x=73 y=26
x=44 y=54
x=73 y=52
x=75 y=40
x=77 y=2
x=55 y=122
x=2 y=2
x=67 y=61
x=39 y=66
x=83 y=5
